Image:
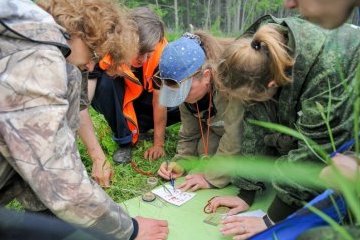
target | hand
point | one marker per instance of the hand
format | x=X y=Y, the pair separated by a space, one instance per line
x=242 y=227
x=194 y=182
x=347 y=166
x=150 y=229
x=173 y=169
x=154 y=153
x=235 y=203
x=102 y=173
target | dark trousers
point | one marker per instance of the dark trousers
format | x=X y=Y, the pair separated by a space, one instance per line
x=25 y=225
x=108 y=100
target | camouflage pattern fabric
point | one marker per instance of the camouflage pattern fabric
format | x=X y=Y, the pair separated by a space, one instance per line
x=84 y=98
x=39 y=107
x=326 y=64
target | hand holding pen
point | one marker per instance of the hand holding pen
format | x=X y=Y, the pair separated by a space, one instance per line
x=172 y=180
x=170 y=170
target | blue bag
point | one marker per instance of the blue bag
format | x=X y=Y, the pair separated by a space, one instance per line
x=303 y=219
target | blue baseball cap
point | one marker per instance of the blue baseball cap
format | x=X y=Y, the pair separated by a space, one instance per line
x=180 y=60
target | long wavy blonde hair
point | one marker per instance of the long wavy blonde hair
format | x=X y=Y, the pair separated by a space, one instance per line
x=104 y=26
x=251 y=62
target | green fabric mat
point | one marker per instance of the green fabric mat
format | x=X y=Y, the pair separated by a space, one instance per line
x=186 y=221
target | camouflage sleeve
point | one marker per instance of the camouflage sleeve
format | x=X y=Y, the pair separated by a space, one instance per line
x=189 y=135
x=251 y=139
x=41 y=147
x=312 y=125
x=84 y=97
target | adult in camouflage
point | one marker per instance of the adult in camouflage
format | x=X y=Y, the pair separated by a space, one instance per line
x=283 y=71
x=39 y=112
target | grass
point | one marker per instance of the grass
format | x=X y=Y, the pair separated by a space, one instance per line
x=127 y=183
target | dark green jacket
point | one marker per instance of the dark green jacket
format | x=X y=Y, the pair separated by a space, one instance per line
x=325 y=67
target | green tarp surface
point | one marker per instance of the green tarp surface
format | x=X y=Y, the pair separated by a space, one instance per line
x=187 y=221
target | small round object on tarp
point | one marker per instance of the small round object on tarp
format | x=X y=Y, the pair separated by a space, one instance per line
x=148 y=197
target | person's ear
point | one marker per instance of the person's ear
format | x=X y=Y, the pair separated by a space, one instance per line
x=272 y=84
x=206 y=75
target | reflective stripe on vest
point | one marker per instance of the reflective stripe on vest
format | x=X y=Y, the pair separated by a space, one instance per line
x=133 y=87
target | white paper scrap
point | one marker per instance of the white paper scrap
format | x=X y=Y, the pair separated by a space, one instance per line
x=176 y=197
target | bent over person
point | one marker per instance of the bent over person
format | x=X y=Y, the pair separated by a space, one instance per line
x=127 y=97
x=40 y=165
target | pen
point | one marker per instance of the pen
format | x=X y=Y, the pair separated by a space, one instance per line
x=347 y=145
x=172 y=180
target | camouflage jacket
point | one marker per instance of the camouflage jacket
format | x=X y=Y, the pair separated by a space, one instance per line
x=325 y=68
x=39 y=106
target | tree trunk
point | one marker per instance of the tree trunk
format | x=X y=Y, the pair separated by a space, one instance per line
x=176 y=15
x=207 y=24
x=237 y=7
x=188 y=10
x=244 y=12
x=228 y=16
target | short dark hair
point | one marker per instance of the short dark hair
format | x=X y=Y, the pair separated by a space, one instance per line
x=150 y=27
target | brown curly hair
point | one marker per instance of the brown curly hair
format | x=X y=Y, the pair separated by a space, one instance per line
x=104 y=26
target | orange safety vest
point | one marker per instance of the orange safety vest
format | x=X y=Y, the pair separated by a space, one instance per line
x=133 y=87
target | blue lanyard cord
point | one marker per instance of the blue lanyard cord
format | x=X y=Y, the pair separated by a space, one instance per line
x=347 y=145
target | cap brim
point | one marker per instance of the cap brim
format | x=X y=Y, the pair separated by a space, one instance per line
x=172 y=97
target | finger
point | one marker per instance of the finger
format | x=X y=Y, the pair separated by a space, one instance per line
x=215 y=204
x=151 y=156
x=161 y=236
x=146 y=154
x=163 y=167
x=231 y=225
x=156 y=155
x=162 y=223
x=243 y=236
x=194 y=188
x=232 y=229
x=107 y=180
x=165 y=171
x=188 y=177
x=233 y=219
x=182 y=185
x=163 y=175
x=234 y=211
x=164 y=230
x=185 y=186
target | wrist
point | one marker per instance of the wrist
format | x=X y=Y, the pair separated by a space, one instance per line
x=268 y=222
x=159 y=141
x=136 y=229
x=97 y=159
x=159 y=145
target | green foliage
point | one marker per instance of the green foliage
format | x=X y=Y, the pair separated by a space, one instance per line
x=127 y=183
x=216 y=28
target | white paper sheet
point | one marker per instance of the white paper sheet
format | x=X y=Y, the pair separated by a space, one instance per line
x=176 y=197
x=256 y=213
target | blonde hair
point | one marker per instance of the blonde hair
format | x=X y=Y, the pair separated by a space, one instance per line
x=250 y=63
x=103 y=25
x=213 y=48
